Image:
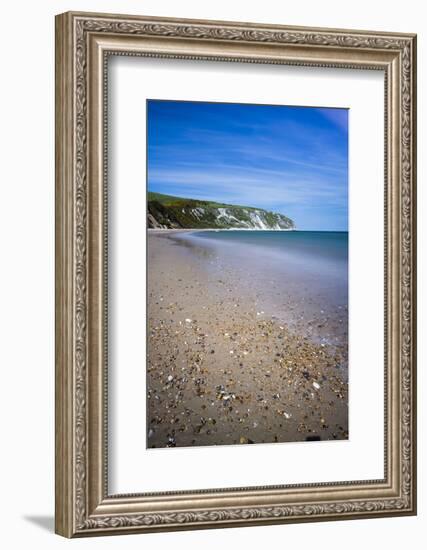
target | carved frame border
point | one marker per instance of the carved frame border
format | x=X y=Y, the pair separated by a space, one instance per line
x=83 y=42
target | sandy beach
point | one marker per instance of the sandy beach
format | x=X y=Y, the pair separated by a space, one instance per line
x=225 y=366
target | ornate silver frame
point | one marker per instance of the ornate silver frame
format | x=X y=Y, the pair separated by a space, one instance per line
x=83 y=505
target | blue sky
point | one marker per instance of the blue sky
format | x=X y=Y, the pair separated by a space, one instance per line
x=292 y=160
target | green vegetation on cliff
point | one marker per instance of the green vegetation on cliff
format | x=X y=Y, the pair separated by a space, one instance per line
x=168 y=212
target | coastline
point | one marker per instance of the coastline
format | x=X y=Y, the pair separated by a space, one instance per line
x=221 y=370
x=158 y=230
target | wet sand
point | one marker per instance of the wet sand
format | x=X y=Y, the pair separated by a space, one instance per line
x=221 y=370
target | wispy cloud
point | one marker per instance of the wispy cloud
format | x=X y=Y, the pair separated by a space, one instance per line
x=259 y=186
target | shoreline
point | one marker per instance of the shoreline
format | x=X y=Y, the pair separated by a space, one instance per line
x=165 y=231
x=222 y=371
x=159 y=230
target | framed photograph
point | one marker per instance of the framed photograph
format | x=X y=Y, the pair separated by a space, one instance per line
x=235 y=274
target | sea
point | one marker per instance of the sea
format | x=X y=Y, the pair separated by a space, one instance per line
x=328 y=246
x=299 y=277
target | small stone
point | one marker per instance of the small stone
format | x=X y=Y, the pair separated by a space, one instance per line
x=171 y=441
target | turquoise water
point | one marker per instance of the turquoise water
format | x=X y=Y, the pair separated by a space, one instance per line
x=331 y=246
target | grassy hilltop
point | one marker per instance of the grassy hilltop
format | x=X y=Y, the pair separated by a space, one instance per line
x=169 y=212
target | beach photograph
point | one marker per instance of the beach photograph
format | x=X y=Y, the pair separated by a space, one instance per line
x=247 y=274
